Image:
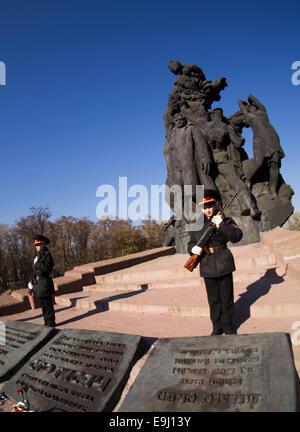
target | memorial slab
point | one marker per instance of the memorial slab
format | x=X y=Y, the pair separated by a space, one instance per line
x=78 y=371
x=18 y=341
x=252 y=372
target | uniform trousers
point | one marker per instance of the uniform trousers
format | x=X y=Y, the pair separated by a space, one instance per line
x=221 y=302
x=46 y=304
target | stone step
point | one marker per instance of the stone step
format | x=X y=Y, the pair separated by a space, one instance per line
x=259 y=311
x=123 y=287
x=256 y=311
x=274 y=297
x=146 y=276
x=118 y=284
x=257 y=266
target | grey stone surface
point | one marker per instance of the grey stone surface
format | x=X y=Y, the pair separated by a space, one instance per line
x=252 y=372
x=78 y=371
x=18 y=341
x=204 y=147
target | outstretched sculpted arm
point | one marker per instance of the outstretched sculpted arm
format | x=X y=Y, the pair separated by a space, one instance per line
x=252 y=99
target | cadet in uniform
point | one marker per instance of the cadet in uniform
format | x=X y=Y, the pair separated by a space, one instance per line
x=41 y=283
x=217 y=267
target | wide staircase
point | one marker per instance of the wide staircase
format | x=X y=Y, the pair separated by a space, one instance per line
x=163 y=285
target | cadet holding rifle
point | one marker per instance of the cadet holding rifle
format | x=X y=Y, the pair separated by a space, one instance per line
x=216 y=261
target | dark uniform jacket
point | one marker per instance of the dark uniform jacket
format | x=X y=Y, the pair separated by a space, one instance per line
x=43 y=286
x=221 y=262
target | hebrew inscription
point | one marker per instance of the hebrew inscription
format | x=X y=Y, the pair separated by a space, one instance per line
x=228 y=373
x=18 y=341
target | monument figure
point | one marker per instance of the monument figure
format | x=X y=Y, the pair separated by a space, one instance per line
x=219 y=136
x=204 y=147
x=266 y=143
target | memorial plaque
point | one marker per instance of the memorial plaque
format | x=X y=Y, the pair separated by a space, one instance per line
x=18 y=341
x=252 y=372
x=78 y=370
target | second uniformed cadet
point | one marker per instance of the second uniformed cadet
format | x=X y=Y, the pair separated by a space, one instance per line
x=41 y=283
x=216 y=267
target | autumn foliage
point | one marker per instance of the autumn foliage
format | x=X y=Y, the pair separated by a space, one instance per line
x=73 y=242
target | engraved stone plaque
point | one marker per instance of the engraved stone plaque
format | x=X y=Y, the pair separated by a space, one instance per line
x=78 y=370
x=18 y=341
x=252 y=372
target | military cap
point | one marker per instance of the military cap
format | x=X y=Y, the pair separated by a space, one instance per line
x=40 y=239
x=210 y=196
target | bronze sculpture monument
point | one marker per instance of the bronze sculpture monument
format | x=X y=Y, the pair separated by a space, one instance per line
x=203 y=147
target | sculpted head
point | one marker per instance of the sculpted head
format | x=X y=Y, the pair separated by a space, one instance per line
x=179 y=120
x=175 y=67
x=193 y=70
x=216 y=114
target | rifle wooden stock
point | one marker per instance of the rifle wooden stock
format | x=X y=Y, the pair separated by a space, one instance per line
x=192 y=262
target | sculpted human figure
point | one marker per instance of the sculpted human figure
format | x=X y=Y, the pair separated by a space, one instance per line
x=236 y=151
x=203 y=147
x=219 y=136
x=266 y=143
x=191 y=92
x=188 y=156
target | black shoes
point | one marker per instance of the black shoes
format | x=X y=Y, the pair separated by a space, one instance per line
x=217 y=332
x=226 y=330
x=229 y=331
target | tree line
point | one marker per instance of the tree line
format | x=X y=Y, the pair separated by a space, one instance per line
x=73 y=242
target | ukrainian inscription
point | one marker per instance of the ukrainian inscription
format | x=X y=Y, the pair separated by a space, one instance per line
x=20 y=339
x=231 y=373
x=78 y=370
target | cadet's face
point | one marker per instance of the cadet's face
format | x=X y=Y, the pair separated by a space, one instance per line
x=38 y=248
x=208 y=210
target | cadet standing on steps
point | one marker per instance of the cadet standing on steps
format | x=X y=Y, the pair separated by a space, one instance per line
x=41 y=283
x=216 y=267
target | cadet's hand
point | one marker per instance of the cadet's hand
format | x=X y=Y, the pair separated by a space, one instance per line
x=217 y=220
x=196 y=250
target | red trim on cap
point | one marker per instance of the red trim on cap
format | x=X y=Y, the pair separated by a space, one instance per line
x=206 y=200
x=38 y=241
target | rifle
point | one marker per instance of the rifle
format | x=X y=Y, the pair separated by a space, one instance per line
x=194 y=260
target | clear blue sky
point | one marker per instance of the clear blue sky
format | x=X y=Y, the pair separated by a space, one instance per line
x=88 y=82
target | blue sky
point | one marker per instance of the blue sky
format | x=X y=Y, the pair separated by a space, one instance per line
x=87 y=83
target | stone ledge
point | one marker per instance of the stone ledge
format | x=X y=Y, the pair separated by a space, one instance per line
x=115 y=264
x=278 y=235
x=10 y=305
x=284 y=243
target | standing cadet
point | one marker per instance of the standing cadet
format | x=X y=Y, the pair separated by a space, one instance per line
x=216 y=267
x=41 y=283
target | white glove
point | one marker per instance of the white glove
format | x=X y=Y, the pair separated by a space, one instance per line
x=217 y=220
x=30 y=286
x=196 y=250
